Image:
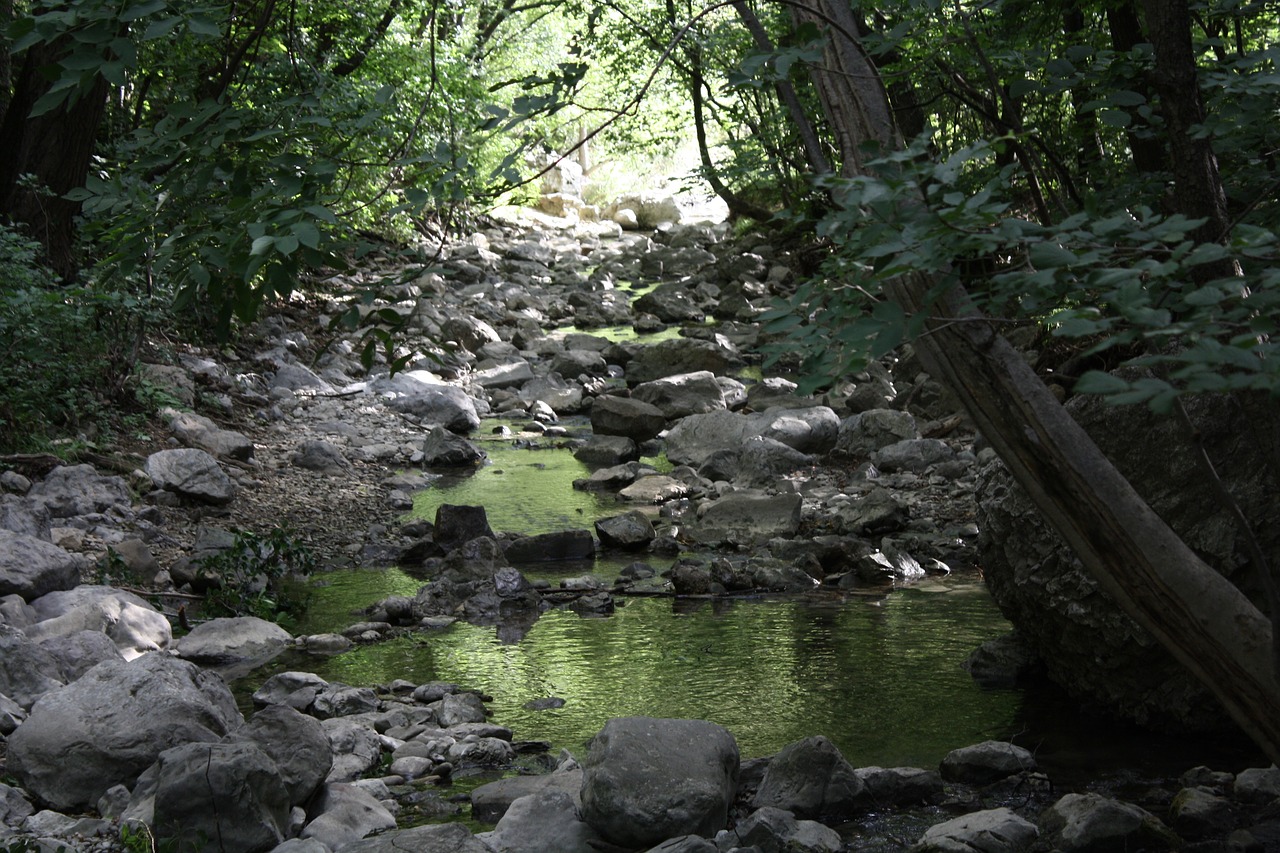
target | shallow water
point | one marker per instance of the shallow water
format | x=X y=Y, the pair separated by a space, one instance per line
x=879 y=675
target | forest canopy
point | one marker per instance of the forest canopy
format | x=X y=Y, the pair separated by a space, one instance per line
x=163 y=162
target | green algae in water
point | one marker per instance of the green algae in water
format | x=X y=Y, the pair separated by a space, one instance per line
x=524 y=491
x=880 y=677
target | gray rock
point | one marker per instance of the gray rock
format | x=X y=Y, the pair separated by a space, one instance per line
x=12 y=715
x=340 y=700
x=355 y=748
x=430 y=401
x=456 y=525
x=14 y=806
x=888 y=787
x=27 y=671
x=71 y=490
x=459 y=708
x=914 y=454
x=320 y=455
x=436 y=838
x=671 y=303
x=131 y=623
x=555 y=546
x=12 y=481
x=746 y=517
x=653 y=489
x=876 y=512
x=232 y=639
x=631 y=531
x=80 y=652
x=682 y=395
x=607 y=450
x=576 y=362
x=616 y=477
x=138 y=560
x=345 y=814
x=231 y=792
x=1000 y=662
x=685 y=844
x=776 y=831
x=295 y=689
x=646 y=780
x=470 y=333
x=1257 y=785
x=763 y=462
x=540 y=822
x=111 y=724
x=991 y=831
x=861 y=435
x=564 y=397
x=510 y=375
x=27 y=517
x=190 y=474
x=989 y=761
x=483 y=752
x=812 y=429
x=693 y=439
x=635 y=419
x=31 y=567
x=1196 y=813
x=442 y=448
x=203 y=434
x=1092 y=822
x=811 y=779
x=682 y=355
x=296 y=743
x=296 y=377
x=490 y=802
x=1088 y=644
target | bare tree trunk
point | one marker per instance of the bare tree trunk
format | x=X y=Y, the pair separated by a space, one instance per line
x=1195 y=613
x=787 y=94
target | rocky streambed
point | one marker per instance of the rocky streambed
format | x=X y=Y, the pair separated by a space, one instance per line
x=713 y=482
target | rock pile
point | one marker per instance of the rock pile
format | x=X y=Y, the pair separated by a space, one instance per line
x=106 y=719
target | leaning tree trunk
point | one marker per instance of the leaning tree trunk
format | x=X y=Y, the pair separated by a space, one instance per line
x=1196 y=614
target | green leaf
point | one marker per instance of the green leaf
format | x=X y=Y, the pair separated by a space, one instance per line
x=286 y=245
x=1115 y=118
x=141 y=10
x=199 y=25
x=307 y=234
x=161 y=28
x=1098 y=382
x=1050 y=256
x=262 y=245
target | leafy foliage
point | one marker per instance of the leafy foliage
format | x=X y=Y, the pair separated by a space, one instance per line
x=258 y=575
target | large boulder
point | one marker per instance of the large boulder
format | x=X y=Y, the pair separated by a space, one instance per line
x=443 y=449
x=433 y=838
x=345 y=813
x=192 y=474
x=811 y=779
x=540 y=822
x=646 y=780
x=71 y=490
x=225 y=794
x=683 y=394
x=27 y=671
x=107 y=727
x=127 y=620
x=424 y=396
x=297 y=744
x=635 y=419
x=31 y=567
x=1088 y=645
x=991 y=831
x=203 y=434
x=682 y=355
x=232 y=639
x=1088 y=822
x=747 y=517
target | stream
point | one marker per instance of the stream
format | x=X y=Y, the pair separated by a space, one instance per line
x=879 y=673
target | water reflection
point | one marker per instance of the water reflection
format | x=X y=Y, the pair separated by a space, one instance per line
x=880 y=677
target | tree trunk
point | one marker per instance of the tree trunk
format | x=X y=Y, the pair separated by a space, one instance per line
x=787 y=94
x=1197 y=187
x=1196 y=614
x=55 y=149
x=1126 y=33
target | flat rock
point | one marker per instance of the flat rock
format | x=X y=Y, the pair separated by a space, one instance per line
x=71 y=490
x=991 y=831
x=986 y=762
x=490 y=802
x=746 y=517
x=232 y=639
